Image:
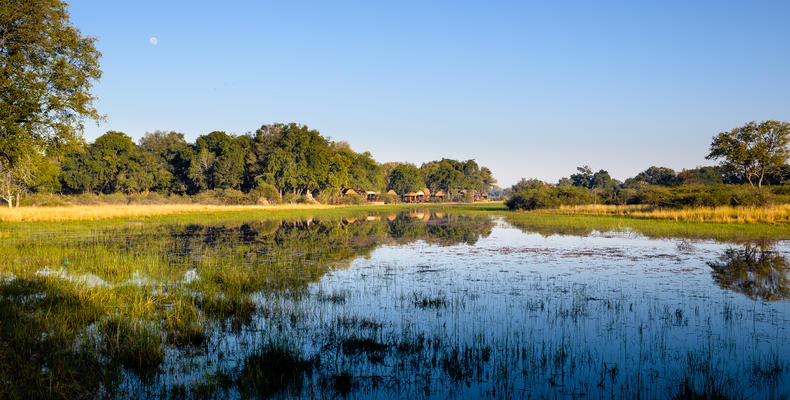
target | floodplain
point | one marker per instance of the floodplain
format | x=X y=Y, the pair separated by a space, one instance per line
x=394 y=303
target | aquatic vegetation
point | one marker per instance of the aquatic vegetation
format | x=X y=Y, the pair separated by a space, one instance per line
x=416 y=304
x=275 y=368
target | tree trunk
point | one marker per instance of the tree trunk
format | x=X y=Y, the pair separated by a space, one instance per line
x=17 y=199
x=10 y=200
x=759 y=182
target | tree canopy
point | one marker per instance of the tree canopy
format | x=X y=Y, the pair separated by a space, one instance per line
x=753 y=150
x=405 y=178
x=47 y=68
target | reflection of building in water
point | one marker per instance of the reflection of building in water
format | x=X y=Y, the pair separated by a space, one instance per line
x=755 y=270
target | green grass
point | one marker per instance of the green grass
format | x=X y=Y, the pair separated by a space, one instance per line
x=116 y=293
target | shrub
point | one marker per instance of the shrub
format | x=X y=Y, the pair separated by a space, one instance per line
x=703 y=196
x=532 y=199
x=265 y=193
x=390 y=198
x=352 y=199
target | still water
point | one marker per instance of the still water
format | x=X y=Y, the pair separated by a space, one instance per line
x=428 y=305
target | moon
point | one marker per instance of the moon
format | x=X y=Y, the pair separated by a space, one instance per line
x=153 y=40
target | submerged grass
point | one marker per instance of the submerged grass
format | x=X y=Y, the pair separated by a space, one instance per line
x=276 y=368
x=85 y=304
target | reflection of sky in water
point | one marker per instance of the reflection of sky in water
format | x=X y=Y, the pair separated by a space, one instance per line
x=609 y=313
x=590 y=303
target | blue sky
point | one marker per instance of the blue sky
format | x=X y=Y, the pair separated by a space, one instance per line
x=528 y=89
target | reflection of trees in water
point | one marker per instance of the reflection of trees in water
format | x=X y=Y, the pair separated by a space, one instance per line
x=755 y=270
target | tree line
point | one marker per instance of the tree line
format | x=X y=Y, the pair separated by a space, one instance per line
x=750 y=156
x=277 y=162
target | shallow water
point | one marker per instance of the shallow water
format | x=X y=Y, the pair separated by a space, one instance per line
x=472 y=307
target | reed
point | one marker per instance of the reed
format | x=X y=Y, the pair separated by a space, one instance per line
x=106 y=211
x=771 y=214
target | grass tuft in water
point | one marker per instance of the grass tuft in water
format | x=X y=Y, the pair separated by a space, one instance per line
x=276 y=368
x=137 y=345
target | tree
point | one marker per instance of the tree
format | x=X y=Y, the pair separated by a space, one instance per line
x=297 y=159
x=702 y=176
x=527 y=184
x=15 y=177
x=220 y=161
x=660 y=176
x=752 y=150
x=113 y=163
x=444 y=175
x=47 y=69
x=173 y=153
x=584 y=177
x=405 y=178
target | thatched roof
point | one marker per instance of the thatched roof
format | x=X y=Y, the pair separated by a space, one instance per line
x=369 y=192
x=392 y=192
x=420 y=193
x=427 y=192
x=349 y=191
x=410 y=194
x=439 y=194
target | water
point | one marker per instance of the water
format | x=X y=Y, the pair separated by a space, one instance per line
x=439 y=306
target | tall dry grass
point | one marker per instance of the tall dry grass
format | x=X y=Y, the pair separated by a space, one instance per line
x=97 y=212
x=724 y=214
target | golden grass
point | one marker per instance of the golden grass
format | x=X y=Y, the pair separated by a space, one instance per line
x=96 y=212
x=724 y=214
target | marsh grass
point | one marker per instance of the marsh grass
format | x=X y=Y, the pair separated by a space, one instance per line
x=87 y=304
x=770 y=214
x=276 y=368
x=582 y=225
x=99 y=212
x=143 y=302
x=137 y=345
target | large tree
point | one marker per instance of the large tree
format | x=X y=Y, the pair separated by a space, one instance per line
x=111 y=164
x=297 y=159
x=47 y=68
x=753 y=150
x=405 y=178
x=173 y=154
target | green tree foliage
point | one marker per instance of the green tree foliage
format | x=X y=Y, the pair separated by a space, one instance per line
x=527 y=184
x=47 y=69
x=113 y=163
x=601 y=183
x=219 y=162
x=549 y=197
x=660 y=176
x=701 y=176
x=173 y=153
x=452 y=176
x=297 y=159
x=405 y=178
x=363 y=171
x=753 y=150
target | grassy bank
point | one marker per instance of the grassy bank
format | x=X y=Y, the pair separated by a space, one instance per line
x=725 y=214
x=582 y=225
x=136 y=211
x=108 y=211
x=720 y=223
